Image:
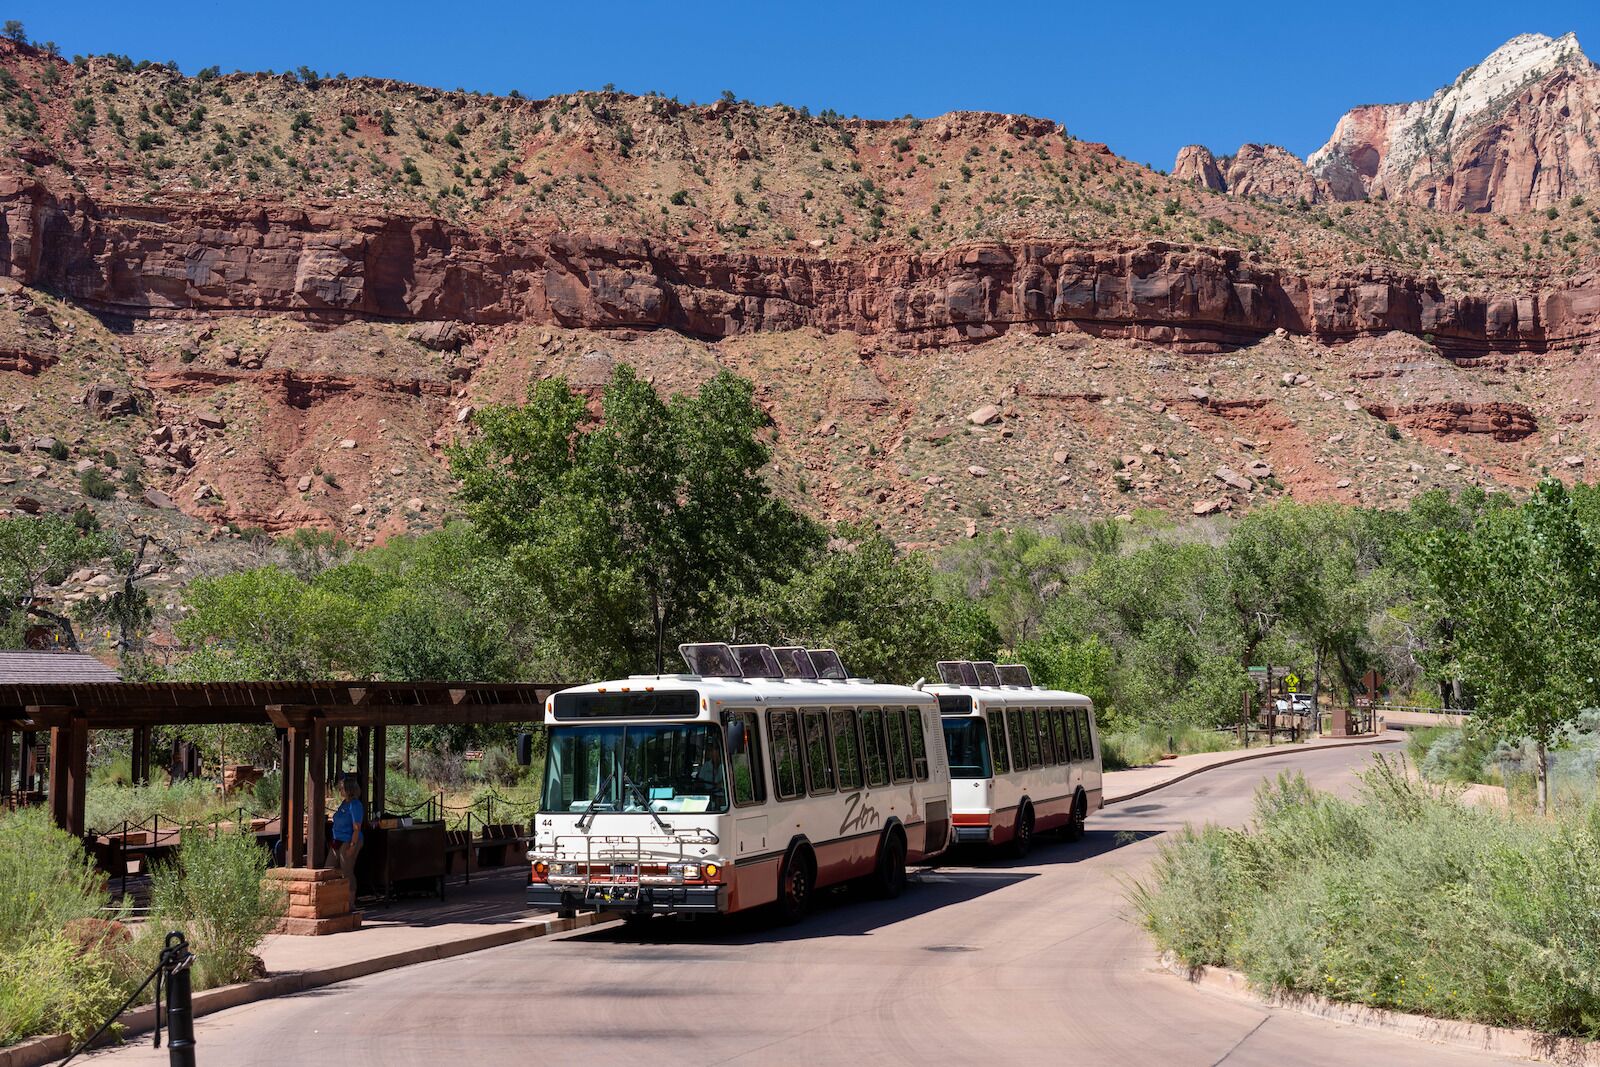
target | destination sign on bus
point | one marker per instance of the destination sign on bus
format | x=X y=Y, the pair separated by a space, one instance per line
x=669 y=704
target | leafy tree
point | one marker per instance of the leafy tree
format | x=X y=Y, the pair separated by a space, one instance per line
x=1522 y=587
x=631 y=532
x=13 y=31
x=35 y=554
x=269 y=624
x=886 y=613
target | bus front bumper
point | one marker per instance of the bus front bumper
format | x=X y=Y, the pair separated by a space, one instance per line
x=652 y=899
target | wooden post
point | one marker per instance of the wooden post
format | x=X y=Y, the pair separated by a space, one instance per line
x=408 y=750
x=335 y=753
x=317 y=798
x=77 y=774
x=363 y=764
x=60 y=741
x=295 y=783
x=283 y=798
x=5 y=761
x=26 y=761
x=380 y=767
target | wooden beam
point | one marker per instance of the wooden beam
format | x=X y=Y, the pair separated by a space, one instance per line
x=317 y=798
x=432 y=714
x=289 y=716
x=5 y=758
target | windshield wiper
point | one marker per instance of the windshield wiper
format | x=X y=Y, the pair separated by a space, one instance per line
x=645 y=800
x=586 y=820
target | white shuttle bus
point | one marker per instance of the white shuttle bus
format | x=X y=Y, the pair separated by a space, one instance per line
x=757 y=779
x=1023 y=760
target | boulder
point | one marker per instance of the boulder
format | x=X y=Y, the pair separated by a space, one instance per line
x=211 y=420
x=439 y=336
x=985 y=416
x=1233 y=479
x=108 y=401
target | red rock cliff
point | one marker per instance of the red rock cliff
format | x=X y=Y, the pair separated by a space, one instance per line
x=138 y=260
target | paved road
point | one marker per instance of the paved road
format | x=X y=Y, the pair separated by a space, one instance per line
x=980 y=962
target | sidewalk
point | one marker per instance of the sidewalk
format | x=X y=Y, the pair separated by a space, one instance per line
x=1137 y=781
x=492 y=901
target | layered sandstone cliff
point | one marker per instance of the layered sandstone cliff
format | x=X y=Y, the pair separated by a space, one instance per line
x=327 y=266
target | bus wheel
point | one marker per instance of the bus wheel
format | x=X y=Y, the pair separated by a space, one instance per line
x=1074 y=827
x=889 y=881
x=1022 y=842
x=795 y=886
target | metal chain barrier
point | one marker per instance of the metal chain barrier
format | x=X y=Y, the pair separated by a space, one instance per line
x=172 y=969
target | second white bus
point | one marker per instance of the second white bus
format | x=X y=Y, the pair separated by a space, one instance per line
x=1023 y=760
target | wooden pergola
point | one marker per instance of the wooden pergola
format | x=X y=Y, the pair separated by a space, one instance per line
x=312 y=716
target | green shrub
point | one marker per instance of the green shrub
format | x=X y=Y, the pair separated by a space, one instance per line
x=58 y=450
x=107 y=806
x=95 y=484
x=499 y=766
x=46 y=879
x=49 y=986
x=1145 y=745
x=217 y=894
x=267 y=793
x=1402 y=898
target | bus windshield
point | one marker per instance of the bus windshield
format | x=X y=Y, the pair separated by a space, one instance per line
x=968 y=745
x=671 y=767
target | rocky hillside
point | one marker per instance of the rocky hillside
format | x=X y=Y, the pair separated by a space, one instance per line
x=232 y=303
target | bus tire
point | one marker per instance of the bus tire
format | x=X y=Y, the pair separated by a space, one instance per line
x=889 y=880
x=1073 y=831
x=797 y=884
x=1022 y=839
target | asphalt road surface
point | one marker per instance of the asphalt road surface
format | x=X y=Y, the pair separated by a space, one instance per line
x=982 y=961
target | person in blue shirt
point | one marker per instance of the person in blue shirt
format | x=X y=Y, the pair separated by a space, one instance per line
x=347 y=836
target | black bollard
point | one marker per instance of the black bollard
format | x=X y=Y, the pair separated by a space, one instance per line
x=180 y=1007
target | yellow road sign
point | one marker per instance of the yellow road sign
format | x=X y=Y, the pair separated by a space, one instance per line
x=1292 y=681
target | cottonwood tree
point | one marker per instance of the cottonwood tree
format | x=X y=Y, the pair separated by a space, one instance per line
x=633 y=530
x=1522 y=589
x=37 y=553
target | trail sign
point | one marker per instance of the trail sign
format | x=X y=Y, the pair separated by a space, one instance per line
x=1292 y=682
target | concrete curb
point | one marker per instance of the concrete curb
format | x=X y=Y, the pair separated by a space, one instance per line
x=42 y=1051
x=1499 y=1040
x=1264 y=753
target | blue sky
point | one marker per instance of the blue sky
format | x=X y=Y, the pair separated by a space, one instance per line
x=1146 y=78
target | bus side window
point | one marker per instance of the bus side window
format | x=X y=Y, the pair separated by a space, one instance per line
x=1047 y=743
x=1019 y=741
x=899 y=754
x=997 y=743
x=1030 y=730
x=1085 y=739
x=872 y=749
x=819 y=758
x=785 y=754
x=919 y=744
x=744 y=757
x=1059 y=731
x=846 y=752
